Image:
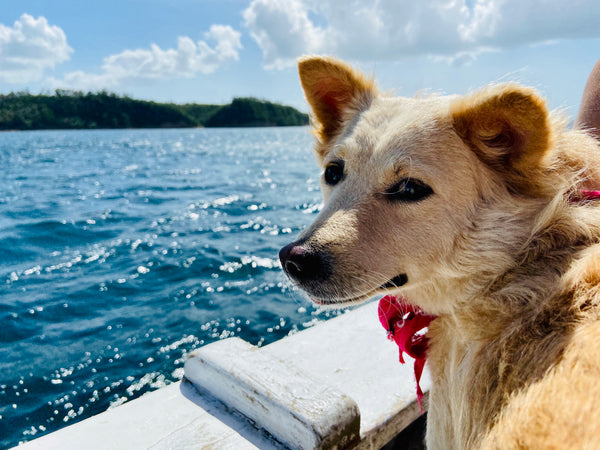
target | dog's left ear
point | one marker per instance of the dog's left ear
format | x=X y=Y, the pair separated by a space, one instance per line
x=335 y=92
x=507 y=126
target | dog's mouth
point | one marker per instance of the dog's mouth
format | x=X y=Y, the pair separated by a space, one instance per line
x=341 y=302
x=397 y=281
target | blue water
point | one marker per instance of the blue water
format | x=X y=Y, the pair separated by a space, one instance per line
x=123 y=250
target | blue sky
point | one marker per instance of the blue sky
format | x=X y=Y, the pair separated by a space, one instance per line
x=209 y=51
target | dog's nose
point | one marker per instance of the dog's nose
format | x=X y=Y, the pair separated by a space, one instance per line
x=302 y=264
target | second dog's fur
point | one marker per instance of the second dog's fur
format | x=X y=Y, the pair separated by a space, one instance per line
x=470 y=208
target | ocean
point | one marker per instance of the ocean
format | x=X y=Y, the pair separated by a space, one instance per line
x=123 y=250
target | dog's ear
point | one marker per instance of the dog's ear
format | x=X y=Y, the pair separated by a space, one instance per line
x=507 y=126
x=334 y=91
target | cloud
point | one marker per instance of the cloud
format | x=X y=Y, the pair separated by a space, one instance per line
x=189 y=59
x=514 y=22
x=282 y=29
x=370 y=30
x=29 y=48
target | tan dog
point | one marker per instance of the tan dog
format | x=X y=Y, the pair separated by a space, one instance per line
x=470 y=208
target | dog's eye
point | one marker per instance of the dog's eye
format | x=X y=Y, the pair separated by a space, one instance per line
x=409 y=190
x=334 y=172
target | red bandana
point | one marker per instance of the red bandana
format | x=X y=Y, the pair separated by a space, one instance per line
x=585 y=194
x=407 y=327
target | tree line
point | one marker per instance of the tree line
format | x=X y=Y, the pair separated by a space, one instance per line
x=76 y=110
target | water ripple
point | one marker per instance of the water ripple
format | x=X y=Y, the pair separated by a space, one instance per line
x=123 y=250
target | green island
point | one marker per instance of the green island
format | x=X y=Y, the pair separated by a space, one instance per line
x=78 y=110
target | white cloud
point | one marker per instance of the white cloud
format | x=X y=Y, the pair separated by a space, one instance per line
x=186 y=61
x=516 y=22
x=29 y=48
x=368 y=30
x=282 y=28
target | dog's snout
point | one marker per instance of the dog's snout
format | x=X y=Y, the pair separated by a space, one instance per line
x=303 y=264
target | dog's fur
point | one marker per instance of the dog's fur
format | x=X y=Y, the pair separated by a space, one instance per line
x=504 y=251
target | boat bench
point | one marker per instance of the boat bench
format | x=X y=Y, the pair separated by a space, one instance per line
x=336 y=385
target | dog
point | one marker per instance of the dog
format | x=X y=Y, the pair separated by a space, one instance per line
x=474 y=209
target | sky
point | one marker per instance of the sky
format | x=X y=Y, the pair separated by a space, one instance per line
x=210 y=51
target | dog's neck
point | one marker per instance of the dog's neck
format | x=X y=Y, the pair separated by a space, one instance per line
x=520 y=268
x=505 y=321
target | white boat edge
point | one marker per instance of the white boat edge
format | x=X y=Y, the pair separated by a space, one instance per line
x=338 y=384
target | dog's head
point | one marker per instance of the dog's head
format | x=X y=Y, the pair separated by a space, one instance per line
x=415 y=190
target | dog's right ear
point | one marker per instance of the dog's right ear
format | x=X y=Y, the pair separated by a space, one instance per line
x=335 y=92
x=508 y=127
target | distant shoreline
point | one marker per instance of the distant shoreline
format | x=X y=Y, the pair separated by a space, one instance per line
x=68 y=110
x=149 y=128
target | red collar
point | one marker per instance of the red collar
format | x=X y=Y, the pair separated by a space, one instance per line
x=585 y=194
x=407 y=327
